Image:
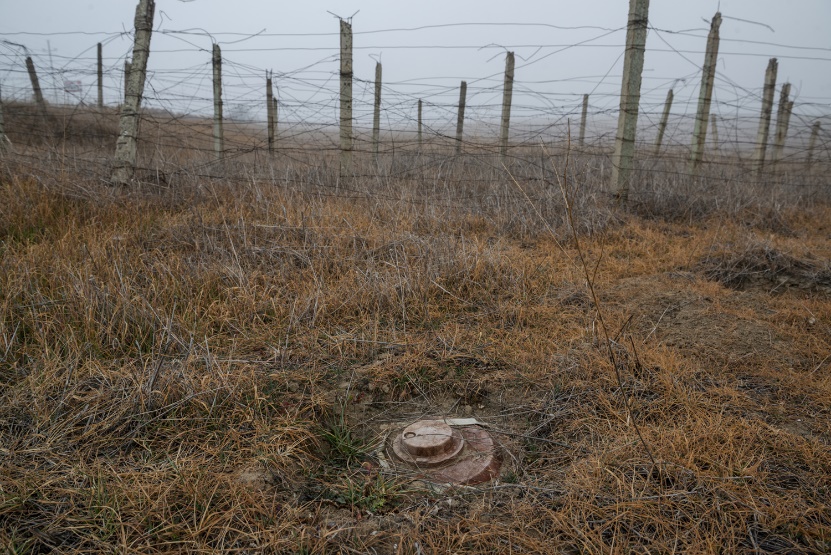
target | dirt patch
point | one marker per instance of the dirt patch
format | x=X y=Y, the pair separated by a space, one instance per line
x=721 y=328
x=746 y=359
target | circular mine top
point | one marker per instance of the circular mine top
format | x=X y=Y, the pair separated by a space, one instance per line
x=427 y=438
x=459 y=454
x=428 y=443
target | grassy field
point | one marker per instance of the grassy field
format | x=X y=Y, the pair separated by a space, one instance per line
x=206 y=363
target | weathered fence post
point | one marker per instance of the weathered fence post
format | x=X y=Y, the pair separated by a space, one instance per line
x=269 y=111
x=787 y=124
x=4 y=140
x=127 y=67
x=33 y=77
x=219 y=134
x=785 y=127
x=376 y=117
x=345 y=98
x=100 y=76
x=764 y=120
x=630 y=95
x=124 y=165
x=662 y=127
x=582 y=140
x=507 y=94
x=420 y=144
x=812 y=142
x=705 y=94
x=460 y=121
x=782 y=117
x=276 y=113
x=714 y=127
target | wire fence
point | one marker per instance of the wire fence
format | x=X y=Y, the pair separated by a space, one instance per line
x=176 y=133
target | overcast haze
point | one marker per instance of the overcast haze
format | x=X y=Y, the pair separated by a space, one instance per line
x=428 y=63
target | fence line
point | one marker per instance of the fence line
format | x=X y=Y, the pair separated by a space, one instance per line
x=417 y=112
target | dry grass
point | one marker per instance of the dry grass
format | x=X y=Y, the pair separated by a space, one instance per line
x=206 y=364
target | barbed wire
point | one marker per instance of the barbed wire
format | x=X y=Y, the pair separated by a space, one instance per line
x=543 y=110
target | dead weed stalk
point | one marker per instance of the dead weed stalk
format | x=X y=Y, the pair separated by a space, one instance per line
x=590 y=275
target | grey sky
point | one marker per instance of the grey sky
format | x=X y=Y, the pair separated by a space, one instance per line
x=550 y=80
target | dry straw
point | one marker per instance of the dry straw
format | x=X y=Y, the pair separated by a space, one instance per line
x=203 y=362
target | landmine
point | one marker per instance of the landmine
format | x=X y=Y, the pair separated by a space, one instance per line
x=445 y=451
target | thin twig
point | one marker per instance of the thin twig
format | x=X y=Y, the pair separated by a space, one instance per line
x=562 y=182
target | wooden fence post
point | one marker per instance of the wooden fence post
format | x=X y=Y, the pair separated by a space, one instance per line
x=507 y=94
x=376 y=117
x=630 y=95
x=764 y=120
x=582 y=140
x=460 y=121
x=269 y=111
x=662 y=127
x=33 y=77
x=219 y=134
x=782 y=116
x=345 y=98
x=127 y=67
x=100 y=76
x=705 y=94
x=420 y=144
x=786 y=126
x=4 y=140
x=812 y=142
x=714 y=127
x=276 y=113
x=124 y=165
